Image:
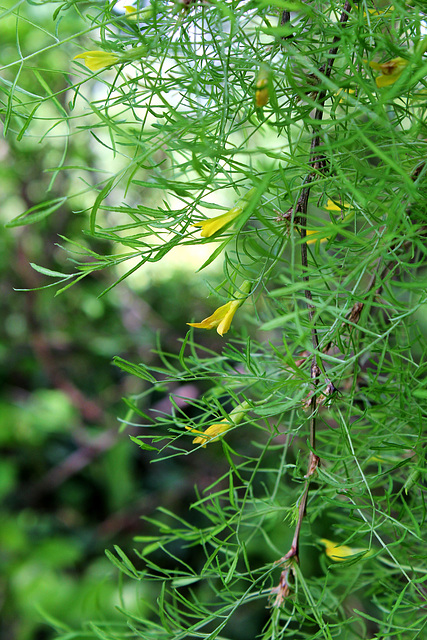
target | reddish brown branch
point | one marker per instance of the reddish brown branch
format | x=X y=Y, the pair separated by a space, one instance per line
x=299 y=216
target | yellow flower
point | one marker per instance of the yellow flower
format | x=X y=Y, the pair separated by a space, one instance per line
x=212 y=433
x=212 y=225
x=95 y=60
x=330 y=206
x=262 y=95
x=311 y=232
x=344 y=93
x=339 y=553
x=263 y=85
x=130 y=12
x=390 y=71
x=374 y=12
x=222 y=317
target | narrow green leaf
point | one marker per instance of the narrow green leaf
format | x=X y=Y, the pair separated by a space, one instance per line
x=37 y=213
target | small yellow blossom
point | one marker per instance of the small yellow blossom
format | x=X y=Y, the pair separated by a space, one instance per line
x=212 y=433
x=344 y=93
x=222 y=317
x=262 y=94
x=339 y=553
x=96 y=60
x=212 y=225
x=390 y=71
x=330 y=206
x=311 y=232
x=131 y=12
x=262 y=85
x=374 y=12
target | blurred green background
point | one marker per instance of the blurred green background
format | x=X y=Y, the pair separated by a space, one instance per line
x=72 y=484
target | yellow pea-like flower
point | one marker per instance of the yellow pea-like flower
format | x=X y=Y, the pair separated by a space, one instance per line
x=383 y=12
x=212 y=225
x=339 y=553
x=330 y=206
x=96 y=60
x=390 y=71
x=213 y=433
x=132 y=13
x=344 y=93
x=222 y=317
x=262 y=94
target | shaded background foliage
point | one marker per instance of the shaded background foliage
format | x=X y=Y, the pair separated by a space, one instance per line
x=70 y=483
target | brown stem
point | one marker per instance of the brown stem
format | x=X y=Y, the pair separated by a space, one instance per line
x=313 y=464
x=316 y=161
x=285 y=18
x=299 y=214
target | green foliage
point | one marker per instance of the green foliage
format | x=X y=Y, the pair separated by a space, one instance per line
x=318 y=264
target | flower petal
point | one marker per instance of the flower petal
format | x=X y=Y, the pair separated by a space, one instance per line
x=340 y=553
x=211 y=434
x=96 y=60
x=217 y=318
x=391 y=71
x=222 y=317
x=331 y=206
x=212 y=225
x=375 y=65
x=318 y=237
x=225 y=323
x=386 y=81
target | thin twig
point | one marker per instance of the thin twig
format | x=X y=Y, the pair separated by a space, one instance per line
x=301 y=208
x=299 y=215
x=285 y=18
